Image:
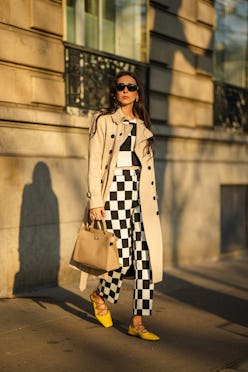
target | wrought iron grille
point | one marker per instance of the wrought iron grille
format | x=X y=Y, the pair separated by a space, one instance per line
x=89 y=73
x=231 y=107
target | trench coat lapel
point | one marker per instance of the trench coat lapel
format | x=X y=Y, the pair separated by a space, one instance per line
x=118 y=116
x=123 y=128
x=142 y=135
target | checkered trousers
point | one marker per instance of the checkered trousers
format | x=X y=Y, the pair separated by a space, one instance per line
x=124 y=218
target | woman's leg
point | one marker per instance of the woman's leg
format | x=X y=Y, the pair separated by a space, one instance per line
x=143 y=285
x=118 y=219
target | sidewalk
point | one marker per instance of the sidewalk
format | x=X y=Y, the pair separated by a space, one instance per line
x=200 y=313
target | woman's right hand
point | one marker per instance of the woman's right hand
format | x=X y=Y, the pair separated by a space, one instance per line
x=97 y=213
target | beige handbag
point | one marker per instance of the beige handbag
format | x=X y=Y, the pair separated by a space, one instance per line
x=96 y=248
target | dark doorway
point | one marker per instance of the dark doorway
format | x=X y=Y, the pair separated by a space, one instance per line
x=234 y=217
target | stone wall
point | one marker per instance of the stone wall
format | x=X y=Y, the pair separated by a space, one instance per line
x=32 y=54
x=42 y=188
x=194 y=160
x=43 y=150
x=192 y=167
x=181 y=62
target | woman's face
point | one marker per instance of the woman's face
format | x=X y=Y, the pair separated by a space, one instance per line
x=126 y=96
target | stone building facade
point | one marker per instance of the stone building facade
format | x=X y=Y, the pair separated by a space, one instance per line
x=43 y=143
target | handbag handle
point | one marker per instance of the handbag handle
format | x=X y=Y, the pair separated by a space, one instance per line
x=101 y=225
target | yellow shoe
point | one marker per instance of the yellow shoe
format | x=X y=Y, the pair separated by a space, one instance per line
x=142 y=333
x=106 y=319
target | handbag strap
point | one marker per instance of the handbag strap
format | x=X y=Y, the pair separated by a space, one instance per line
x=101 y=225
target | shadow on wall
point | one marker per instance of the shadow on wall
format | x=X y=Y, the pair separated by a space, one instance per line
x=39 y=235
x=179 y=175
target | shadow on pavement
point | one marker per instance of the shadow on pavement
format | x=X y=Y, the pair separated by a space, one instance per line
x=235 y=271
x=70 y=302
x=228 y=307
x=65 y=299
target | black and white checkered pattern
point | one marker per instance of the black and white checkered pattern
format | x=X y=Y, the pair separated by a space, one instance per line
x=127 y=156
x=123 y=216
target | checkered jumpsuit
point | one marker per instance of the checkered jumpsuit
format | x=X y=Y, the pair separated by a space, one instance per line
x=123 y=217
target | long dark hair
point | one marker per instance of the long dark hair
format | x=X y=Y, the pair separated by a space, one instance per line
x=139 y=109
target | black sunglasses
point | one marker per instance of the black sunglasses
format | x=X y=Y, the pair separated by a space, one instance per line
x=130 y=87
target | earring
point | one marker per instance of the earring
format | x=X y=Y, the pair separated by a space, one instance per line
x=137 y=99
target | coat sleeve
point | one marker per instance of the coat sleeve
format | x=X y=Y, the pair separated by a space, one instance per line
x=95 y=155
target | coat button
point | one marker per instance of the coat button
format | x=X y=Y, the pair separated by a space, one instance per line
x=157 y=213
x=110 y=151
x=149 y=167
x=152 y=183
x=112 y=136
x=101 y=181
x=106 y=167
x=120 y=134
x=154 y=198
x=88 y=195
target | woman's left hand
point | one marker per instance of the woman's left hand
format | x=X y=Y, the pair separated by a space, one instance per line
x=97 y=213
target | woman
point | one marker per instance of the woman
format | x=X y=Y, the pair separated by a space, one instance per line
x=122 y=190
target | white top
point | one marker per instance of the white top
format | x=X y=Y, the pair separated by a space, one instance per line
x=127 y=156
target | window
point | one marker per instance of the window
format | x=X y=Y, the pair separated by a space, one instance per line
x=231 y=42
x=114 y=26
x=230 y=65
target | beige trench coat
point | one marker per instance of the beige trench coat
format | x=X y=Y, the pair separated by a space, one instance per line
x=106 y=137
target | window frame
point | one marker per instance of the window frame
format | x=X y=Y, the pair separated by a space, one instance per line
x=80 y=41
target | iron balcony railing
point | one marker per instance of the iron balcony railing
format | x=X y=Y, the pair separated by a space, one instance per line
x=231 y=107
x=88 y=74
